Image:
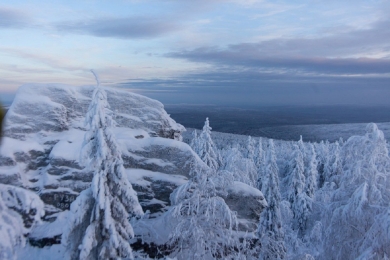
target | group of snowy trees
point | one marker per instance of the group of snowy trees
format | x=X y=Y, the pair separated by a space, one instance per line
x=205 y=223
x=325 y=200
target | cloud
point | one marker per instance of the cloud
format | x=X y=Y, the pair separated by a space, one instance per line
x=57 y=63
x=12 y=18
x=335 y=54
x=123 y=28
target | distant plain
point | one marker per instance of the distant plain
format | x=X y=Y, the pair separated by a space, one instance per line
x=314 y=123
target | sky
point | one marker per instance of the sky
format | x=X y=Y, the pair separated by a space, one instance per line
x=222 y=52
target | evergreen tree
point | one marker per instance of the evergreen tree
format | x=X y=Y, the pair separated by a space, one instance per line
x=336 y=162
x=108 y=230
x=195 y=142
x=323 y=158
x=259 y=163
x=300 y=202
x=311 y=173
x=356 y=218
x=207 y=151
x=241 y=168
x=296 y=177
x=333 y=166
x=259 y=154
x=205 y=223
x=250 y=149
x=270 y=231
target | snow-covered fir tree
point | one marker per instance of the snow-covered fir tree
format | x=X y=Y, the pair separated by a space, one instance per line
x=243 y=169
x=195 y=142
x=311 y=173
x=250 y=149
x=337 y=168
x=300 y=202
x=259 y=154
x=259 y=162
x=205 y=224
x=302 y=147
x=333 y=164
x=111 y=198
x=270 y=230
x=207 y=150
x=362 y=199
x=296 y=178
x=323 y=157
x=20 y=211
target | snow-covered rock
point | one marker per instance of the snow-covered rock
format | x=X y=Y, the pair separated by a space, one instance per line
x=44 y=133
x=248 y=202
x=54 y=107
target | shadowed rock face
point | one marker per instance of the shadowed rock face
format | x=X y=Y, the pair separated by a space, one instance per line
x=44 y=131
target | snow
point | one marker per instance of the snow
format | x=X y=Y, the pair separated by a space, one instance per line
x=245 y=189
x=159 y=162
x=51 y=229
x=20 y=211
x=138 y=176
x=68 y=148
x=10 y=146
x=133 y=144
x=135 y=118
x=48 y=252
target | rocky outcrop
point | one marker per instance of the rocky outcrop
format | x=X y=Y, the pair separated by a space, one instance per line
x=44 y=132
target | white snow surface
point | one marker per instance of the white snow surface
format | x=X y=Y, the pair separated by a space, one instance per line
x=245 y=189
x=69 y=146
x=10 y=146
x=137 y=176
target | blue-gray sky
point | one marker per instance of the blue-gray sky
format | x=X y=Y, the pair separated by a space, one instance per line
x=230 y=52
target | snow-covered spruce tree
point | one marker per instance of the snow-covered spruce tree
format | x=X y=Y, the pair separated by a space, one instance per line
x=337 y=168
x=302 y=147
x=259 y=163
x=250 y=149
x=311 y=173
x=205 y=224
x=259 y=154
x=300 y=202
x=270 y=230
x=194 y=144
x=207 y=151
x=296 y=178
x=20 y=210
x=242 y=169
x=333 y=164
x=323 y=157
x=361 y=201
x=113 y=199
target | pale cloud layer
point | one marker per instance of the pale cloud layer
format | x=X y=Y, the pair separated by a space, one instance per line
x=219 y=51
x=122 y=28
x=13 y=18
